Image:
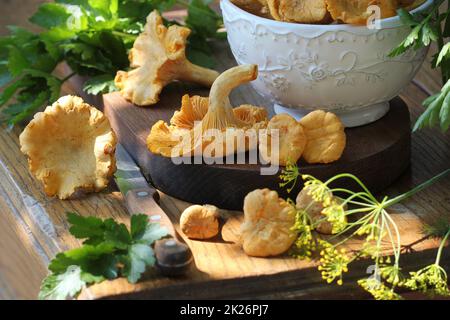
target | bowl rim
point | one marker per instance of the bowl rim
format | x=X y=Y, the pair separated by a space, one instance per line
x=385 y=23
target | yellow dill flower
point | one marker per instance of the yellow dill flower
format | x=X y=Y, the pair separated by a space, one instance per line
x=431 y=279
x=333 y=262
x=392 y=274
x=378 y=290
x=335 y=214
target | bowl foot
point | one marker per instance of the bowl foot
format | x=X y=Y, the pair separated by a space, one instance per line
x=354 y=118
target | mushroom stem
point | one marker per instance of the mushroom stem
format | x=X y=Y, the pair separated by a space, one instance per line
x=220 y=113
x=196 y=74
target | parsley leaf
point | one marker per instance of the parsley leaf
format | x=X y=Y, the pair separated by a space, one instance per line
x=139 y=257
x=110 y=250
x=90 y=228
x=62 y=286
x=146 y=233
x=100 y=84
x=50 y=15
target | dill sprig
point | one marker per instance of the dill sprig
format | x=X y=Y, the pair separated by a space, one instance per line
x=374 y=223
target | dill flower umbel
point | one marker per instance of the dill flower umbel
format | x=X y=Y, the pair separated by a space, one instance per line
x=373 y=223
x=431 y=279
x=335 y=214
x=378 y=290
x=392 y=274
x=318 y=190
x=333 y=262
x=305 y=244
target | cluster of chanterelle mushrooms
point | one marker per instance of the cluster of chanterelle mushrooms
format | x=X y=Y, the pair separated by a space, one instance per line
x=325 y=11
x=210 y=123
x=71 y=147
x=268 y=225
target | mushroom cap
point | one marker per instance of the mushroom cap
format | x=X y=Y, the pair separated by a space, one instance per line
x=200 y=222
x=292 y=140
x=314 y=209
x=302 y=11
x=325 y=136
x=70 y=147
x=355 y=11
x=163 y=139
x=192 y=109
x=268 y=220
x=250 y=114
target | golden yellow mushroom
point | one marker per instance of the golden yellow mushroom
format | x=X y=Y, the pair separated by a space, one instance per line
x=291 y=140
x=70 y=148
x=301 y=11
x=210 y=125
x=200 y=222
x=356 y=11
x=158 y=57
x=268 y=220
x=325 y=137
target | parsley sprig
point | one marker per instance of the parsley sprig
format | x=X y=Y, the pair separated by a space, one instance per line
x=109 y=251
x=93 y=37
x=432 y=27
x=361 y=214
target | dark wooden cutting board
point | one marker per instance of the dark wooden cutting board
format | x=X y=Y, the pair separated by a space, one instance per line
x=377 y=153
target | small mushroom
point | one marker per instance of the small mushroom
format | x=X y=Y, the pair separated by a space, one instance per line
x=325 y=136
x=200 y=222
x=291 y=140
x=267 y=227
x=70 y=148
x=212 y=123
x=301 y=11
x=158 y=58
x=355 y=11
x=315 y=210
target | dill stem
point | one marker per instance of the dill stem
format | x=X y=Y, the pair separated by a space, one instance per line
x=420 y=187
x=396 y=252
x=441 y=247
x=354 y=178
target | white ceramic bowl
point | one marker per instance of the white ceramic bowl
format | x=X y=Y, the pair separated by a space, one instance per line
x=340 y=68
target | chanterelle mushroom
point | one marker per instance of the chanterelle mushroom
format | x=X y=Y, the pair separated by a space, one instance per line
x=315 y=210
x=302 y=11
x=325 y=136
x=70 y=147
x=158 y=58
x=200 y=222
x=291 y=140
x=356 y=11
x=268 y=219
x=212 y=123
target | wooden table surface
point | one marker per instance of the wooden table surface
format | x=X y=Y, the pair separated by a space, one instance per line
x=33 y=228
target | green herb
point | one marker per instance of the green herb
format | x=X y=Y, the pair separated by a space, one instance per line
x=109 y=250
x=374 y=224
x=93 y=37
x=433 y=27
